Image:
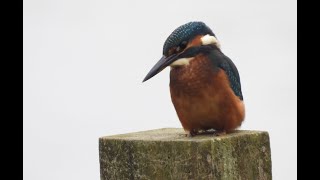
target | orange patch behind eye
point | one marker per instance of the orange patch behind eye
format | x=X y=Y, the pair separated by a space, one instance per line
x=195 y=42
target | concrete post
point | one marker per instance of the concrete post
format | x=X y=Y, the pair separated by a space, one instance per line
x=168 y=154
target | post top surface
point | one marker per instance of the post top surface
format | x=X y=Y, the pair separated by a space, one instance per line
x=178 y=134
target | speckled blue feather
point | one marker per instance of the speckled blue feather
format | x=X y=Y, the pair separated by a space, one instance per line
x=233 y=76
x=225 y=63
x=184 y=33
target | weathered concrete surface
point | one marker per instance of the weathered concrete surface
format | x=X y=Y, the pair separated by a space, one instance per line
x=168 y=154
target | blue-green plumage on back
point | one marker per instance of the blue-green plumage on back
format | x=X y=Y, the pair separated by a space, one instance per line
x=225 y=63
x=233 y=75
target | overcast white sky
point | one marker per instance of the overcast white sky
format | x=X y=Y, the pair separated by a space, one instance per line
x=84 y=62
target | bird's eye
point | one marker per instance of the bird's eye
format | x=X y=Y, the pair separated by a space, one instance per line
x=183 y=45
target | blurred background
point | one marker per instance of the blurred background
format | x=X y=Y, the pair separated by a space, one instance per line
x=84 y=62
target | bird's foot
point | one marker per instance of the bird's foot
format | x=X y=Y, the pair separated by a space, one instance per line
x=191 y=133
x=219 y=133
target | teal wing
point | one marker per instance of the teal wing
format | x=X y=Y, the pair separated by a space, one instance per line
x=233 y=75
x=223 y=62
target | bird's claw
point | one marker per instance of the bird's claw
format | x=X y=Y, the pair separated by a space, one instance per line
x=191 y=133
x=219 y=133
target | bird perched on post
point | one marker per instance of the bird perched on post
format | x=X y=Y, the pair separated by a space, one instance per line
x=204 y=83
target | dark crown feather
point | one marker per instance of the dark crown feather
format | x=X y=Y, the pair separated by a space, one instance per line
x=185 y=33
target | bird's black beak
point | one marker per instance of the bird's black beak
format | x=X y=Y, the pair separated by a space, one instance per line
x=161 y=64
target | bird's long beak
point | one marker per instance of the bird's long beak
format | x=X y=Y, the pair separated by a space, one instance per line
x=161 y=64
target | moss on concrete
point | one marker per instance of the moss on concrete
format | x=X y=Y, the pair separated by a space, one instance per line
x=168 y=154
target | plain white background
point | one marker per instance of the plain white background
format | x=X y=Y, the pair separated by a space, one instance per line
x=84 y=62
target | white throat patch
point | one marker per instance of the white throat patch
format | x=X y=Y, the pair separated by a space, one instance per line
x=181 y=62
x=207 y=39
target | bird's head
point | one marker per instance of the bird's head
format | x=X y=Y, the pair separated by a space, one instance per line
x=183 y=44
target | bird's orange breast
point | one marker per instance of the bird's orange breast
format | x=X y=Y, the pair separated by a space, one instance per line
x=203 y=98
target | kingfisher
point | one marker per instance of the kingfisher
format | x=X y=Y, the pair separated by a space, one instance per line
x=204 y=83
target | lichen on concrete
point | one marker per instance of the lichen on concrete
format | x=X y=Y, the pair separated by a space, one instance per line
x=168 y=154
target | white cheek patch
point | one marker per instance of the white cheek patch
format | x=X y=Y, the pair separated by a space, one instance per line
x=207 y=39
x=181 y=62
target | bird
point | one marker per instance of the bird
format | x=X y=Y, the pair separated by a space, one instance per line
x=205 y=84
